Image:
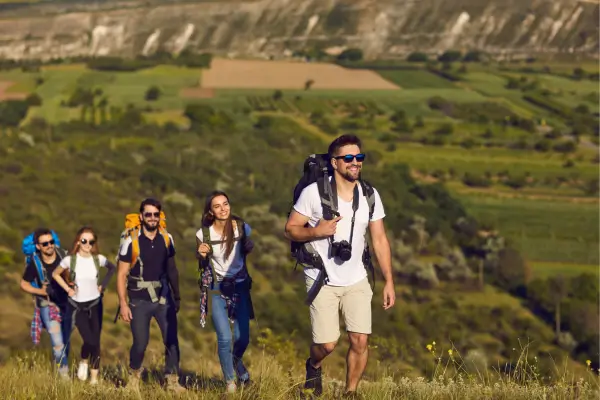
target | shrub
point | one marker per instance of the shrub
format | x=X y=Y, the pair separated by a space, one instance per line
x=567 y=146
x=474 y=180
x=153 y=93
x=33 y=100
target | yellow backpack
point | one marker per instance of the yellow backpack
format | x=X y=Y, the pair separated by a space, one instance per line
x=132 y=229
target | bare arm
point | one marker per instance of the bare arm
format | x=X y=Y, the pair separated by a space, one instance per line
x=381 y=245
x=58 y=278
x=296 y=230
x=122 y=274
x=27 y=287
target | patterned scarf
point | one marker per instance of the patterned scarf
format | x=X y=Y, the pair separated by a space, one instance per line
x=206 y=279
x=36 y=323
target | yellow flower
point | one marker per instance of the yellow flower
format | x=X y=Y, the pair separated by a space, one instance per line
x=450 y=352
x=429 y=347
x=588 y=362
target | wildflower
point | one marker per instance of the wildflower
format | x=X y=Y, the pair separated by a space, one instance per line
x=450 y=352
x=429 y=347
x=588 y=362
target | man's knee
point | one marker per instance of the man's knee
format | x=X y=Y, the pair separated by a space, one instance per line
x=328 y=348
x=359 y=342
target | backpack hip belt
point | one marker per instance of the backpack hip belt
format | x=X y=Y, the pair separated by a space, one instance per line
x=135 y=284
x=77 y=307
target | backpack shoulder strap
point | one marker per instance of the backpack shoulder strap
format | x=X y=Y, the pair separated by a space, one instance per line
x=135 y=245
x=165 y=236
x=328 y=196
x=72 y=266
x=369 y=193
x=39 y=267
x=206 y=234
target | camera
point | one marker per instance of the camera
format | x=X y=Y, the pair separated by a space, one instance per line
x=342 y=249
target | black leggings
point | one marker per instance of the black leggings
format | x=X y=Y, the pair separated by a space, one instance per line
x=89 y=324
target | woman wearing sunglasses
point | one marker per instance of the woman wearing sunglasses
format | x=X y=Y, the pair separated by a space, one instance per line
x=78 y=274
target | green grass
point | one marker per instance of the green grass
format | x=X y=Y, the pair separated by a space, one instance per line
x=416 y=79
x=544 y=269
x=543 y=230
x=494 y=160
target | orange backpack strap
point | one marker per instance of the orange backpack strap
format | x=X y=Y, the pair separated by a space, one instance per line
x=135 y=245
x=165 y=236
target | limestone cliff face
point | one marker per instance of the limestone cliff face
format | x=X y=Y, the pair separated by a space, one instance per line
x=270 y=27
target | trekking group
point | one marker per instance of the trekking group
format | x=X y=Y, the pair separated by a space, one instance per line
x=333 y=210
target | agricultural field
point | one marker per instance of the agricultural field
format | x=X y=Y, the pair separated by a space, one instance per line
x=258 y=74
x=548 y=229
x=416 y=79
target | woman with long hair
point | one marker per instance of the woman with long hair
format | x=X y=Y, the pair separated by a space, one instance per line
x=78 y=274
x=223 y=244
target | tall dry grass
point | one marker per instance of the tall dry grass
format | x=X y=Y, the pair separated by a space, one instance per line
x=31 y=376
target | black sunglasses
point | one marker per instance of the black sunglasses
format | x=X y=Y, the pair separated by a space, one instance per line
x=91 y=242
x=348 y=158
x=48 y=243
x=149 y=214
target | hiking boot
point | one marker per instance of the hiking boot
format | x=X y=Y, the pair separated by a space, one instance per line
x=134 y=378
x=94 y=376
x=173 y=383
x=82 y=371
x=314 y=379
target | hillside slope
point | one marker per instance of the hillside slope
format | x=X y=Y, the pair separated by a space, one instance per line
x=73 y=174
x=269 y=27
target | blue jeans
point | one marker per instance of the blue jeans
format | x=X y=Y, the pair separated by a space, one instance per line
x=60 y=334
x=231 y=360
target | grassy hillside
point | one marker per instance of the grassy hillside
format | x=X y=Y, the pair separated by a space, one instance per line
x=88 y=156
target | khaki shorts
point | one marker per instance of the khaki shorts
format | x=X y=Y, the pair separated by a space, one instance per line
x=354 y=302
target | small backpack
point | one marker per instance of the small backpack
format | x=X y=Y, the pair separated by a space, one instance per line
x=31 y=255
x=318 y=168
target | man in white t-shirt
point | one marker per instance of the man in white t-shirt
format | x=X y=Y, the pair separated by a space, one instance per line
x=347 y=287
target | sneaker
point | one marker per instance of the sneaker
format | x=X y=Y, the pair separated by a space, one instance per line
x=82 y=371
x=242 y=373
x=314 y=379
x=63 y=372
x=231 y=387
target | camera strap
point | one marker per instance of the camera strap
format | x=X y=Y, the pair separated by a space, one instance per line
x=355 y=204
